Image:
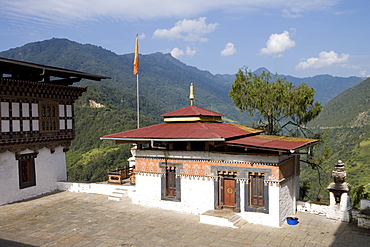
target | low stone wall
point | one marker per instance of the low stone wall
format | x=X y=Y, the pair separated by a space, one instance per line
x=93 y=188
x=365 y=203
x=363 y=217
x=312 y=208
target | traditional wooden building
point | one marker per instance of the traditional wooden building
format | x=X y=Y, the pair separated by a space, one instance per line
x=194 y=162
x=37 y=126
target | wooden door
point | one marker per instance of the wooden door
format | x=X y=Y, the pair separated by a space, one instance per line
x=229 y=193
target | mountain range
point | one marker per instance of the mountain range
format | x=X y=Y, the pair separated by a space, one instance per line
x=110 y=106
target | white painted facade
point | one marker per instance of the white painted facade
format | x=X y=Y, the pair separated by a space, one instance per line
x=198 y=193
x=50 y=168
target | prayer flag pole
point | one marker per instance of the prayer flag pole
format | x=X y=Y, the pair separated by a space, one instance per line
x=136 y=72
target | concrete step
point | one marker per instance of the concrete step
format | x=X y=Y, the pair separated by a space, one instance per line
x=237 y=221
x=224 y=217
x=118 y=194
x=240 y=223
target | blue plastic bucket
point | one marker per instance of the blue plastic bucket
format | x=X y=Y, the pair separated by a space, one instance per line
x=292 y=220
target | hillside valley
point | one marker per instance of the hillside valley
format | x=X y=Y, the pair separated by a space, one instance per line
x=110 y=106
x=346 y=120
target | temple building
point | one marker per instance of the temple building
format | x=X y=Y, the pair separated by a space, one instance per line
x=194 y=162
x=37 y=126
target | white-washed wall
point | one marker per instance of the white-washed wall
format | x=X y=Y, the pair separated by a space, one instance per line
x=50 y=168
x=270 y=219
x=148 y=190
x=286 y=204
x=95 y=188
x=9 y=184
x=196 y=194
x=312 y=208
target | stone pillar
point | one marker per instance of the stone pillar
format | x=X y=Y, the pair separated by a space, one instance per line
x=132 y=164
x=339 y=208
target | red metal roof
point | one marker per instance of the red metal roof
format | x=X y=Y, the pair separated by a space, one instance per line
x=273 y=142
x=189 y=130
x=217 y=131
x=191 y=111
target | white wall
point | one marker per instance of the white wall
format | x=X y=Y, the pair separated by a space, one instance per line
x=95 y=188
x=286 y=205
x=270 y=219
x=50 y=168
x=196 y=194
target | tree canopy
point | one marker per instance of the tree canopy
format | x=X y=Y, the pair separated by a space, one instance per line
x=279 y=103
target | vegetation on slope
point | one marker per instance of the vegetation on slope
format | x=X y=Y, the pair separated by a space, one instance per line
x=347 y=121
x=164 y=86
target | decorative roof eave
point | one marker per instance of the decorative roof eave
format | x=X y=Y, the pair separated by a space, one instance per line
x=42 y=73
x=192 y=111
x=302 y=147
x=192 y=119
x=291 y=151
x=133 y=140
x=296 y=143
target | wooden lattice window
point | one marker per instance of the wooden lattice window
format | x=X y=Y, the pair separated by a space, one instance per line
x=171 y=182
x=257 y=190
x=65 y=117
x=49 y=117
x=26 y=169
x=19 y=117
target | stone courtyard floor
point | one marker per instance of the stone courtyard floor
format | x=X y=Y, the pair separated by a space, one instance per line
x=80 y=219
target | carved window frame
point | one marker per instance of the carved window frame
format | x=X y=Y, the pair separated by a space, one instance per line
x=170 y=181
x=26 y=170
x=49 y=116
x=18 y=117
x=256 y=193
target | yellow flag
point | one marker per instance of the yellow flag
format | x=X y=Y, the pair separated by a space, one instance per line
x=136 y=58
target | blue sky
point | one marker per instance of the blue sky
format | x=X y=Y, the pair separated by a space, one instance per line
x=293 y=37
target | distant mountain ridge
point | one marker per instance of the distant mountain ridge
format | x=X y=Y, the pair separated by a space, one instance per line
x=326 y=86
x=164 y=87
x=57 y=52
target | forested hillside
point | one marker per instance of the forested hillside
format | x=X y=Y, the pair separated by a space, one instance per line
x=164 y=86
x=110 y=106
x=346 y=119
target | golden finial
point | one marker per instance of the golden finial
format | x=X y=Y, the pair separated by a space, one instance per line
x=191 y=96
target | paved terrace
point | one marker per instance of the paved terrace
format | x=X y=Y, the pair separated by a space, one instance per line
x=80 y=219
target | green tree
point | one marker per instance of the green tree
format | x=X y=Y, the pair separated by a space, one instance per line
x=279 y=103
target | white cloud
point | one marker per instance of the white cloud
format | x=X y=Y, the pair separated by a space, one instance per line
x=190 y=52
x=229 y=50
x=363 y=73
x=72 y=11
x=188 y=30
x=176 y=52
x=325 y=59
x=142 y=36
x=277 y=44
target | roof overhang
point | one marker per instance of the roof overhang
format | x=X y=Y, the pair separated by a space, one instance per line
x=192 y=119
x=42 y=73
x=274 y=143
x=133 y=140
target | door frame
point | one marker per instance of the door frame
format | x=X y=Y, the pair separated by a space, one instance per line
x=219 y=193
